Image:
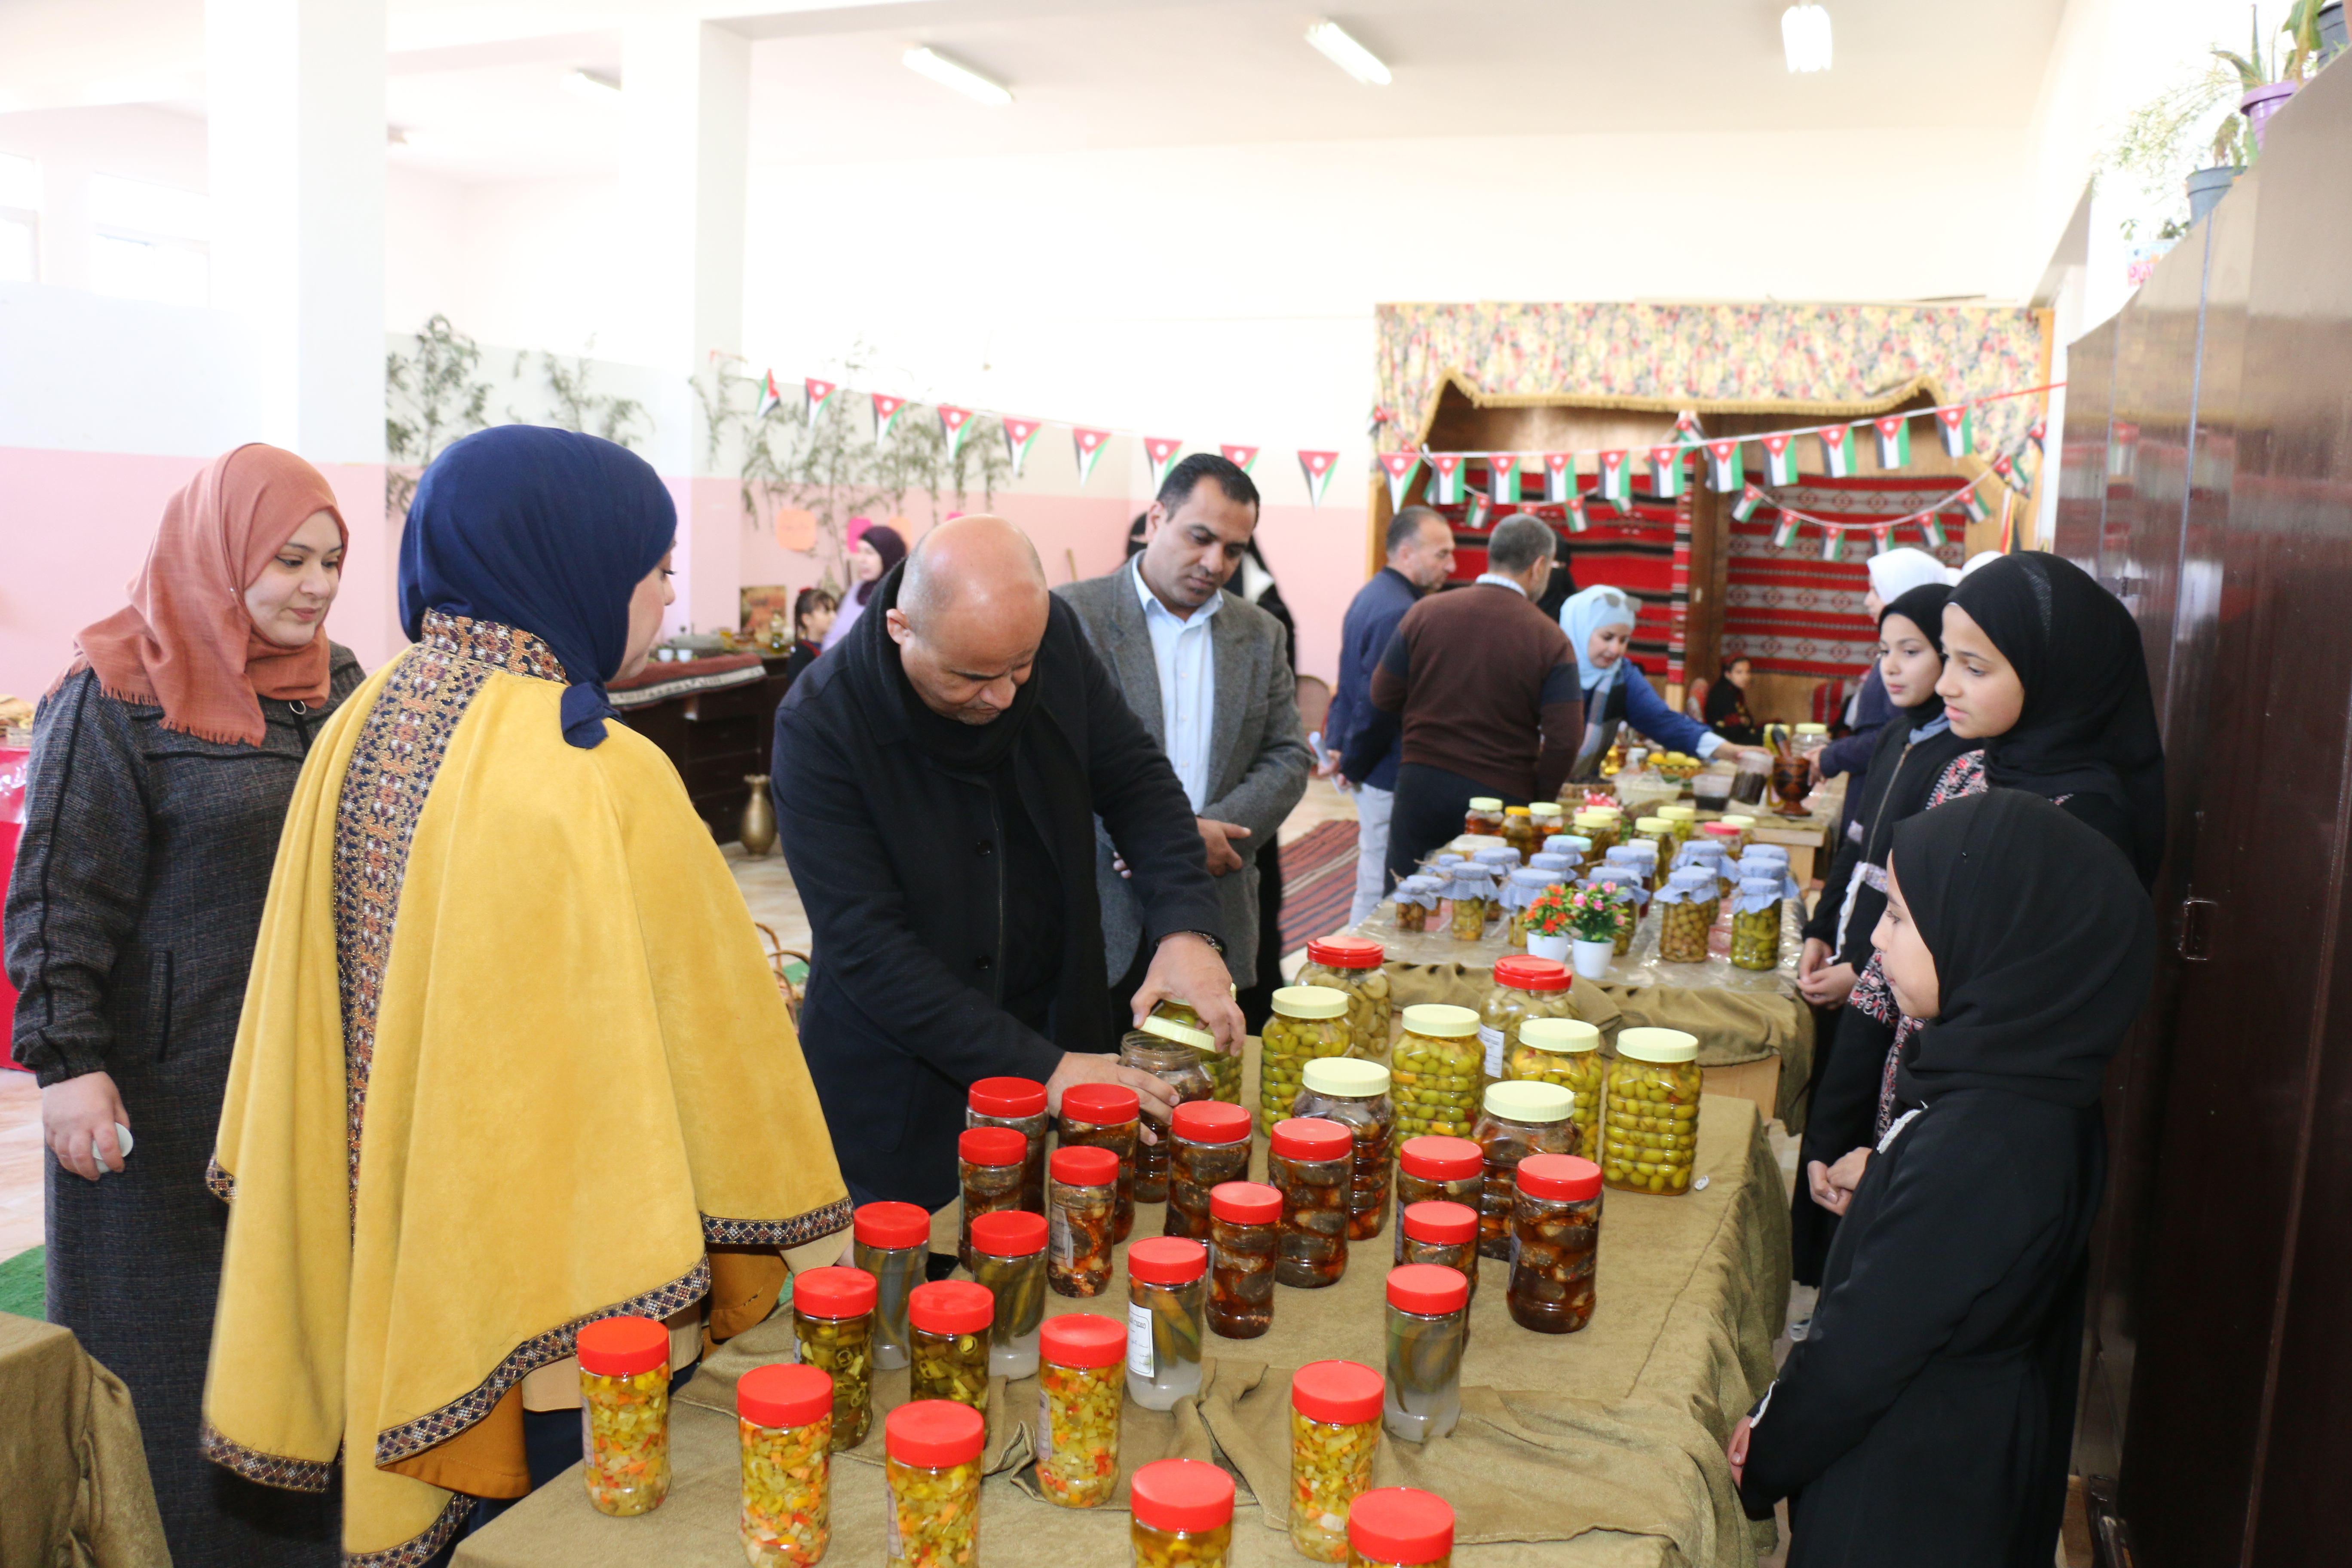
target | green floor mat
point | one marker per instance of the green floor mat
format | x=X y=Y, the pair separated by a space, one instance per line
x=23 y=1280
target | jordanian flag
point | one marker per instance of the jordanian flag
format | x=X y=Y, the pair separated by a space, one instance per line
x=1723 y=467
x=1958 y=428
x=1879 y=539
x=1780 y=460
x=1614 y=481
x=1399 y=468
x=1503 y=479
x=769 y=398
x=2039 y=434
x=1750 y=498
x=953 y=423
x=1089 y=445
x=1833 y=544
x=1973 y=504
x=1837 y=455
x=1894 y=440
x=1577 y=521
x=1242 y=458
x=1784 y=532
x=1560 y=477
x=1479 y=508
x=2013 y=473
x=1665 y=471
x=1317 y=466
x=1161 y=452
x=1932 y=525
x=1687 y=426
x=886 y=409
x=1380 y=416
x=1446 y=476
x=1020 y=435
x=818 y=394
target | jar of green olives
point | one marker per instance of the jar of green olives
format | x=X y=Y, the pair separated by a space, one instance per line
x=1682 y=819
x=1356 y=1095
x=1519 y=1119
x=1178 y=1066
x=1400 y=1527
x=1008 y=1255
x=1309 y=1023
x=1107 y=1116
x=1524 y=988
x=1352 y=966
x=1687 y=911
x=1167 y=1297
x=952 y=1319
x=1434 y=1079
x=832 y=1330
x=1564 y=1052
x=1755 y=925
x=1649 y=1138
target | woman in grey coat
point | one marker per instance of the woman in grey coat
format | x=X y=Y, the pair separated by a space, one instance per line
x=162 y=764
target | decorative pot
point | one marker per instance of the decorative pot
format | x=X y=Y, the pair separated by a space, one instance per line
x=1591 y=959
x=2264 y=101
x=1552 y=947
x=2208 y=186
x=757 y=831
x=1791 y=777
x=2331 y=29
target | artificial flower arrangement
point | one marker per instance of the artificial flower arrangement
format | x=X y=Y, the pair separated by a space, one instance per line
x=1590 y=913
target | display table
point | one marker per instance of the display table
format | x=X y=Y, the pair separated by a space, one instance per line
x=1603 y=1447
x=71 y=1469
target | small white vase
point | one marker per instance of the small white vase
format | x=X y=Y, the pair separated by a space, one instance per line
x=1552 y=947
x=1593 y=958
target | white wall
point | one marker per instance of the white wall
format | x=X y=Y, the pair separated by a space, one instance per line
x=71 y=144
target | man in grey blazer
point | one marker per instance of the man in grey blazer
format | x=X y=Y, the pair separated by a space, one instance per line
x=1208 y=675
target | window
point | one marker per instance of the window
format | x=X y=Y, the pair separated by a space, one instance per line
x=149 y=242
x=20 y=219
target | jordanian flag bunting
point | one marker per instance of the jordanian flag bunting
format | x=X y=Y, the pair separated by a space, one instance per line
x=1446 y=476
x=953 y=423
x=1479 y=508
x=769 y=398
x=1750 y=498
x=1687 y=426
x=1503 y=478
x=1089 y=445
x=1780 y=460
x=1958 y=428
x=1398 y=467
x=1560 y=477
x=818 y=394
x=1577 y=521
x=1665 y=471
x=1614 y=481
x=1932 y=525
x=1242 y=458
x=1380 y=416
x=1784 y=532
x=1837 y=455
x=1879 y=539
x=1724 y=474
x=1317 y=466
x=1894 y=440
x=886 y=409
x=2010 y=474
x=1161 y=452
x=2039 y=434
x=1020 y=435
x=1833 y=544
x=1973 y=504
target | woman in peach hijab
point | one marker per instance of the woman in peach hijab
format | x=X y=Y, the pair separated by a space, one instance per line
x=163 y=763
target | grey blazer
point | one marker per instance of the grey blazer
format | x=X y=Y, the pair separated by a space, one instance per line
x=1257 y=750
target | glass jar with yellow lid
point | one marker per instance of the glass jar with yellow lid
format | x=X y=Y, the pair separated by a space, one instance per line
x=1519 y=831
x=1597 y=828
x=1525 y=987
x=1516 y=1119
x=1685 y=820
x=1484 y=816
x=1309 y=1023
x=1177 y=1021
x=1352 y=964
x=1563 y=1052
x=1433 y=1075
x=1657 y=830
x=1649 y=1135
x=1548 y=819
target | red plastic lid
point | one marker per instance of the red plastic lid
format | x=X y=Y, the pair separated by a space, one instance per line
x=833 y=1292
x=1525 y=974
x=1103 y=1104
x=1180 y=1494
x=1007 y=1096
x=1008 y=1233
x=1428 y=1288
x=1310 y=1138
x=1244 y=1202
x=1720 y=829
x=951 y=1306
x=1210 y=1121
x=1168 y=1259
x=934 y=1433
x=1344 y=1393
x=783 y=1394
x=1400 y=1524
x=1441 y=1222
x=1082 y=1339
x=1558 y=1176
x=1084 y=1166
x=1435 y=1158
x=893 y=1227
x=992 y=1146
x=1344 y=953
x=622 y=1347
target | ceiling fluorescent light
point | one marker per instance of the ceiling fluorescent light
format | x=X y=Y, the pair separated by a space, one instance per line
x=591 y=85
x=1805 y=37
x=1332 y=42
x=962 y=77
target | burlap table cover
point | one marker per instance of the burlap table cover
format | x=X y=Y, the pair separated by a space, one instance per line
x=1603 y=1447
x=74 y=1490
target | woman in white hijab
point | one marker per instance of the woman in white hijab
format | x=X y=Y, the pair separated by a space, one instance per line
x=1599 y=626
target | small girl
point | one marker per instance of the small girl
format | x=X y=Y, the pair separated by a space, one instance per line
x=812 y=613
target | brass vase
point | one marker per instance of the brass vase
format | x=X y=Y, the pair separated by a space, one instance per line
x=757 y=831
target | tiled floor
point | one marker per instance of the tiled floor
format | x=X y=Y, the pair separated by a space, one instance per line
x=20 y=1163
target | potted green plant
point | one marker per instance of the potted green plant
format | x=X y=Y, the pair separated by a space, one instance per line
x=1577 y=923
x=2264 y=86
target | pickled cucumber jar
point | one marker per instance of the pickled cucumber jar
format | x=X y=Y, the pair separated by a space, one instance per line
x=625 y=1414
x=1428 y=1323
x=1431 y=1170
x=1445 y=1233
x=1244 y=1240
x=893 y=1243
x=1555 y=1230
x=1309 y=1161
x=989 y=1161
x=1629 y=919
x=1081 y=1210
x=952 y=1319
x=1682 y=819
x=1018 y=1103
x=1649 y=1136
x=1755 y=925
x=1414 y=903
x=1485 y=816
x=1519 y=1119
x=1548 y=819
x=1564 y=1051
x=933 y=1476
x=1598 y=829
x=1210 y=1146
x=1524 y=988
x=1658 y=831
x=1174 y=1020
x=1081 y=1379
x=1469 y=900
x=1335 y=1430
x=1519 y=831
x=1352 y=965
x=783 y=1421
x=1687 y=910
x=1400 y=1527
x=1356 y=1095
x=1309 y=1023
x=833 y=1330
x=1434 y=1079
x=1181 y=1515
x=1178 y=1066
x=1167 y=1298
x=1107 y=1116
x=1520 y=890
x=1008 y=1255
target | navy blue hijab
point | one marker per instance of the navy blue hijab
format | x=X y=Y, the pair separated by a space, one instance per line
x=546 y=530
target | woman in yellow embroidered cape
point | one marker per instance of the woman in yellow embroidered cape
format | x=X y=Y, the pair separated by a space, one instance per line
x=510 y=1059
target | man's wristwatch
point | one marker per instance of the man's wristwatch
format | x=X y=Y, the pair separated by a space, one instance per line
x=1216 y=946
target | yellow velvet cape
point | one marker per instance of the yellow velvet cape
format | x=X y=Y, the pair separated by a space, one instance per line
x=510 y=1060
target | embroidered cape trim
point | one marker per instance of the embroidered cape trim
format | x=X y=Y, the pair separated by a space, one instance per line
x=784 y=1233
x=278 y=1470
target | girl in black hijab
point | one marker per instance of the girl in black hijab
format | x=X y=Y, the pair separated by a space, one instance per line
x=1926 y=1419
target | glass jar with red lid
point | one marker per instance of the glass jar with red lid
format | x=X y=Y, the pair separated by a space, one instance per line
x=1335 y=1430
x=1081 y=1359
x=1244 y=1240
x=1400 y=1527
x=1082 y=1208
x=1209 y=1145
x=1008 y=1255
x=1167 y=1298
x=1435 y=1231
x=988 y=1161
x=1433 y=1167
x=1525 y=987
x=951 y=1320
x=1178 y=1066
x=1352 y=964
x=1018 y=1103
x=892 y=1243
x=1555 y=1233
x=1356 y=1095
x=1311 y=1161
x=1429 y=1322
x=833 y=1330
x=1107 y=1116
x=625 y=1414
x=933 y=1475
x=1182 y=1514
x=783 y=1419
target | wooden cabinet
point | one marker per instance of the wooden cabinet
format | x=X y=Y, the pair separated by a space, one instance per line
x=715 y=738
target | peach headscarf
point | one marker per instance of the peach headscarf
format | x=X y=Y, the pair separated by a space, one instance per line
x=185 y=642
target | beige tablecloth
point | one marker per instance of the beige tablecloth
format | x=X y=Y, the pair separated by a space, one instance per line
x=1603 y=1447
x=73 y=1478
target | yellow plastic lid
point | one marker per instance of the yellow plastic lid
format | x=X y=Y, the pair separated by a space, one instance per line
x=1438 y=1020
x=1652 y=825
x=1310 y=1002
x=1812 y=729
x=1543 y=808
x=1646 y=1045
x=1559 y=1034
x=1471 y=843
x=1525 y=1100
x=1182 y=1034
x=1595 y=818
x=1515 y=811
x=1346 y=1077
x=1486 y=803
x=1678 y=812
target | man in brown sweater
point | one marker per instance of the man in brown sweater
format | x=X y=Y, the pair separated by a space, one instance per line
x=1485 y=686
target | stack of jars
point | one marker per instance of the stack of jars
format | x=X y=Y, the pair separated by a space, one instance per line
x=1563 y=1052
x=1356 y=1095
x=1435 y=1078
x=1352 y=966
x=1525 y=987
x=1309 y=1023
x=1018 y=1103
x=1179 y=1065
x=1650 y=1132
x=1438 y=1170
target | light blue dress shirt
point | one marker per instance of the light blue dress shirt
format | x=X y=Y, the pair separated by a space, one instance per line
x=1187 y=661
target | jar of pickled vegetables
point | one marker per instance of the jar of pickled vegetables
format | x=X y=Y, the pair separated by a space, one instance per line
x=1400 y=1527
x=1174 y=1020
x=989 y=1160
x=783 y=1416
x=1755 y=925
x=952 y=1319
x=1182 y=1514
x=1107 y=1116
x=1167 y=1297
x=893 y=1243
x=1555 y=1230
x=832 y=1330
x=1081 y=1376
x=1244 y=1240
x=1524 y=988
x=1649 y=1136
x=1429 y=1320
x=1208 y=1144
x=1434 y=1079
x=1018 y=1103
x=1682 y=819
x=1415 y=902
x=934 y=1447
x=1081 y=1210
x=1356 y=1095
x=1432 y=1169
x=1309 y=1161
x=1547 y=820
x=1352 y=965
x=1335 y=1430
x=1178 y=1066
x=1469 y=900
x=1629 y=919
x=1598 y=829
x=1309 y=1023
x=1008 y=1256
x=1657 y=830
x=1520 y=1119
x=1484 y=817
x=1564 y=1051
x=625 y=1414
x=1519 y=831
x=1687 y=911
x=1442 y=1233
x=1729 y=835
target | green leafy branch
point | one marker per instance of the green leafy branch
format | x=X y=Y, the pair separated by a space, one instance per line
x=432 y=397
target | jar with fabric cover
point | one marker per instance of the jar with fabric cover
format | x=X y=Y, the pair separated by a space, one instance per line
x=1706 y=853
x=1008 y=1255
x=1469 y=898
x=1018 y=1103
x=1637 y=895
x=1484 y=816
x=1555 y=1226
x=892 y=1242
x=1081 y=1211
x=1177 y=1064
x=1335 y=1430
x=1755 y=925
x=988 y=1164
x=933 y=1448
x=1355 y=1094
x=833 y=1330
x=1309 y=1023
x=1564 y=1052
x=1767 y=860
x=1181 y=1515
x=1400 y=1527
x=625 y=1414
x=1107 y=1116
x=1433 y=1169
x=1649 y=1138
x=1518 y=892
x=1523 y=987
x=1428 y=1321
x=952 y=1319
x=1687 y=910
x=1575 y=845
x=1081 y=1382
x=1563 y=867
x=1244 y=1242
x=1519 y=1119
x=1310 y=1162
x=1413 y=902
x=1210 y=1146
x=783 y=1423
x=1434 y=1076
x=1444 y=1233
x=1352 y=965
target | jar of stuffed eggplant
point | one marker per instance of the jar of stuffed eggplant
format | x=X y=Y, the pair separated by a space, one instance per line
x=1081 y=1381
x=1755 y=925
x=1686 y=909
x=1524 y=988
x=1209 y=1145
x=1167 y=1298
x=1428 y=1323
x=1335 y=1431
x=1008 y=1255
x=1244 y=1242
x=1400 y=1527
x=1519 y=1119
x=625 y=1414
x=1444 y=1233
x=1555 y=1231
x=1178 y=1066
x=988 y=1161
x=1356 y=1095
x=1082 y=1208
x=892 y=1243
x=1649 y=1137
x=1438 y=1170
x=833 y=1330
x=1107 y=1116
x=1434 y=1075
x=1309 y=1023
x=1018 y=1103
x=952 y=1319
x=1564 y=1052
x=1309 y=1161
x=1352 y=966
